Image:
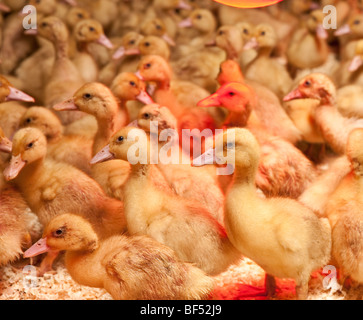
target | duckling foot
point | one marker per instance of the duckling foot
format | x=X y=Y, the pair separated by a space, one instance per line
x=267 y=292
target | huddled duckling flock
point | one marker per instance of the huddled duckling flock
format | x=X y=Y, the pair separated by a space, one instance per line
x=277 y=90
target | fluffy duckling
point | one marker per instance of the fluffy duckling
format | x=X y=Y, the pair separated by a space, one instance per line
x=264 y=69
x=344 y=212
x=51 y=188
x=97 y=100
x=334 y=128
x=283 y=170
x=129 y=268
x=62 y=148
x=287 y=239
x=171 y=220
x=308 y=47
x=65 y=78
x=128 y=89
x=349 y=101
x=350 y=71
x=187 y=181
x=85 y=32
x=156 y=27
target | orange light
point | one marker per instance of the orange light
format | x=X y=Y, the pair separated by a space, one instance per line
x=248 y=3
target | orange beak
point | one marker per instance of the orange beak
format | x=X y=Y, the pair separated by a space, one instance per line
x=211 y=101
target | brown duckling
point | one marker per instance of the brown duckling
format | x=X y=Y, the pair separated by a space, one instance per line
x=129 y=268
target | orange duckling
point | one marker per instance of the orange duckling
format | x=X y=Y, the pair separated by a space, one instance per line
x=129 y=268
x=262 y=229
x=283 y=169
x=97 y=100
x=334 y=128
x=168 y=218
x=51 y=188
x=62 y=148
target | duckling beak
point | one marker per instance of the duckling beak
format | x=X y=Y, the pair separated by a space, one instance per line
x=208 y=157
x=345 y=29
x=66 y=105
x=31 y=32
x=37 y=248
x=184 y=5
x=211 y=101
x=138 y=74
x=356 y=63
x=168 y=39
x=133 y=124
x=321 y=32
x=15 y=166
x=210 y=43
x=4 y=8
x=104 y=155
x=186 y=23
x=295 y=94
x=122 y=51
x=18 y=95
x=103 y=40
x=5 y=145
x=144 y=98
x=72 y=3
x=251 y=44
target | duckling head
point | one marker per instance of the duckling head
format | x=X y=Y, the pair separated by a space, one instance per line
x=127 y=86
x=93 y=98
x=229 y=39
x=315 y=24
x=5 y=143
x=314 y=86
x=201 y=20
x=89 y=30
x=298 y=7
x=53 y=29
x=8 y=92
x=130 y=45
x=44 y=7
x=75 y=15
x=263 y=36
x=357 y=60
x=229 y=71
x=44 y=120
x=354 y=26
x=354 y=150
x=155 y=68
x=234 y=96
x=65 y=232
x=129 y=144
x=154 y=45
x=29 y=145
x=151 y=114
x=156 y=27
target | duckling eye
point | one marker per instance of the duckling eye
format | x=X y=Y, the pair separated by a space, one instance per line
x=199 y=17
x=28 y=120
x=147 y=44
x=263 y=33
x=146 y=115
x=132 y=42
x=231 y=94
x=177 y=11
x=356 y=22
x=132 y=83
x=87 y=96
x=147 y=66
x=120 y=139
x=221 y=32
x=91 y=29
x=44 y=24
x=158 y=27
x=80 y=15
x=245 y=31
x=58 y=233
x=30 y=145
x=307 y=83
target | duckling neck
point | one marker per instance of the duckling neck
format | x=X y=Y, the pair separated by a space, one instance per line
x=106 y=128
x=30 y=172
x=61 y=47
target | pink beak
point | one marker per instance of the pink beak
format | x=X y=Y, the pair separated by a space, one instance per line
x=121 y=52
x=345 y=29
x=103 y=40
x=37 y=248
x=183 y=5
x=5 y=145
x=138 y=74
x=295 y=94
x=104 y=155
x=66 y=105
x=133 y=124
x=321 y=32
x=4 y=7
x=15 y=166
x=168 y=39
x=251 y=44
x=208 y=157
x=31 y=32
x=187 y=23
x=72 y=3
x=144 y=98
x=18 y=95
x=355 y=64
